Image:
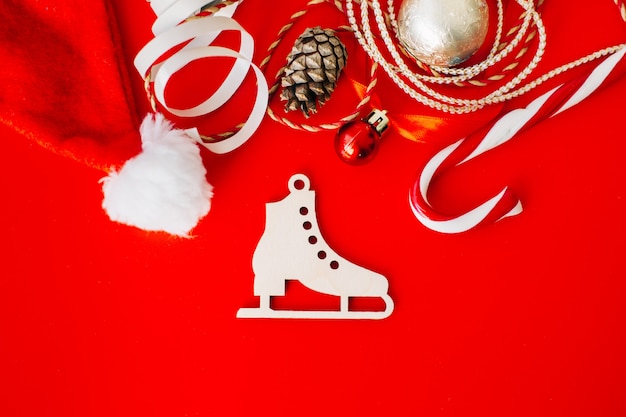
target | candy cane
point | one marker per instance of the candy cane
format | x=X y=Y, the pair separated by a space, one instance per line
x=174 y=27
x=504 y=204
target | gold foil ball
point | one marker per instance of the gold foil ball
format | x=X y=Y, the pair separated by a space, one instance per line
x=443 y=33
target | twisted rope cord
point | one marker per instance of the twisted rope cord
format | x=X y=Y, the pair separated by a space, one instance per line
x=305 y=126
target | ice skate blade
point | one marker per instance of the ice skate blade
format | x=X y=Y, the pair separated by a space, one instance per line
x=268 y=313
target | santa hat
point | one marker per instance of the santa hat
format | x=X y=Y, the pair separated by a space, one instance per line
x=66 y=85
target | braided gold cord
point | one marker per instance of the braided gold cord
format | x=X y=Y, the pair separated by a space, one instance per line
x=221 y=136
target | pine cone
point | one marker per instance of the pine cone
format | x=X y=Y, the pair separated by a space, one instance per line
x=313 y=67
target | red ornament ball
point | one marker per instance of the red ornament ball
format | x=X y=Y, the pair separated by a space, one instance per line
x=356 y=142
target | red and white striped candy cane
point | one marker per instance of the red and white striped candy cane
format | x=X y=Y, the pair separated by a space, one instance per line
x=504 y=204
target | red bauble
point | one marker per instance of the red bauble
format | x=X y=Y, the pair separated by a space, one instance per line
x=357 y=142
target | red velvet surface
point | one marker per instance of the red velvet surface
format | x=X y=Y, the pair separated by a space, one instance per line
x=522 y=318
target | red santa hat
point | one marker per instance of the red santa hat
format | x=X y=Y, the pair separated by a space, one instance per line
x=66 y=86
x=64 y=82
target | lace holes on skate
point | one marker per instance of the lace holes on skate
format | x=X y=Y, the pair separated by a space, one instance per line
x=304 y=211
x=312 y=240
x=321 y=254
x=334 y=265
x=307 y=225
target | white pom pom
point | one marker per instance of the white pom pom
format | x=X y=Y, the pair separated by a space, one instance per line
x=164 y=188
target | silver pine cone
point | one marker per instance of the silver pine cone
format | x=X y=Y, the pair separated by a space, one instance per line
x=313 y=67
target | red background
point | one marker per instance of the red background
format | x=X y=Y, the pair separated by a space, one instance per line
x=522 y=318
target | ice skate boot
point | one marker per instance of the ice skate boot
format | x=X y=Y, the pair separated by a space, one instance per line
x=292 y=248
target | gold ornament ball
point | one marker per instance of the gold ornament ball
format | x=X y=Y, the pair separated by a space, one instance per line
x=443 y=33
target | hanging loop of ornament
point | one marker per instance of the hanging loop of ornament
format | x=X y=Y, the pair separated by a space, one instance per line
x=415 y=84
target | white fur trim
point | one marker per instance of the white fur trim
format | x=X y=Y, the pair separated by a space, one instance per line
x=164 y=188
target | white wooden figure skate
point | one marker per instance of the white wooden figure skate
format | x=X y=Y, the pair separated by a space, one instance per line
x=292 y=248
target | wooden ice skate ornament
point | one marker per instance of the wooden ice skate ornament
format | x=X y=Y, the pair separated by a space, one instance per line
x=292 y=248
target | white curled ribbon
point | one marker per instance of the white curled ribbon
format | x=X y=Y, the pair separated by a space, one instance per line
x=197 y=35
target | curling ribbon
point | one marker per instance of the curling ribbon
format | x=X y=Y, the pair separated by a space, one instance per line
x=504 y=204
x=173 y=28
